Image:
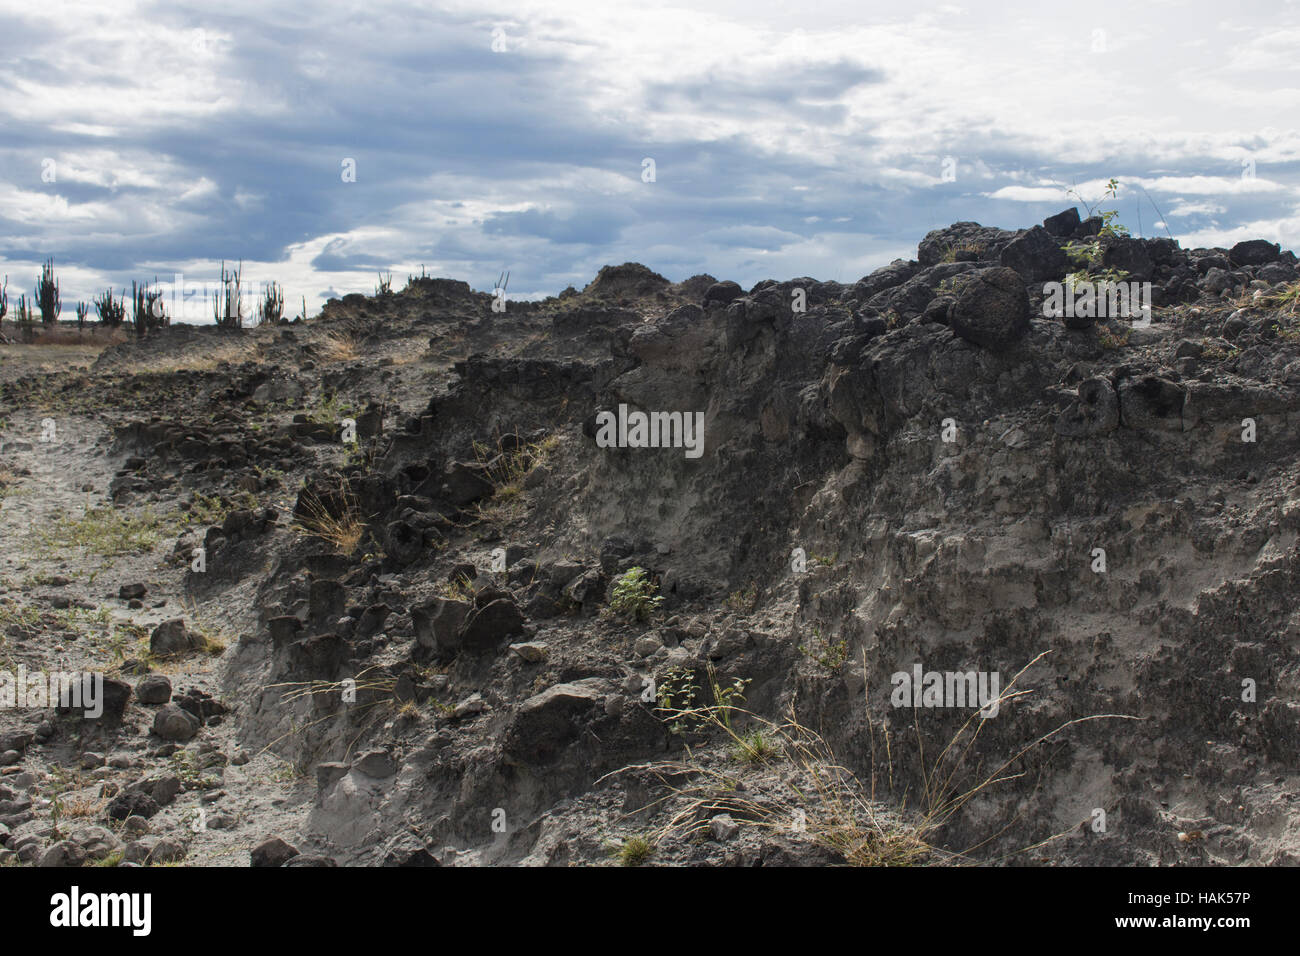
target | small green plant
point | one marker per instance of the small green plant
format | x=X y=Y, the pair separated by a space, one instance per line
x=675 y=696
x=1110 y=340
x=829 y=654
x=1088 y=253
x=726 y=698
x=635 y=595
x=330 y=411
x=743 y=601
x=1218 y=351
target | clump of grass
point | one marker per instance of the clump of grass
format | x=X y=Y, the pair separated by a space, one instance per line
x=831 y=804
x=76 y=807
x=1286 y=299
x=962 y=249
x=457 y=589
x=104 y=530
x=342 y=527
x=507 y=468
x=371 y=688
x=635 y=851
x=755 y=747
x=635 y=597
x=339 y=347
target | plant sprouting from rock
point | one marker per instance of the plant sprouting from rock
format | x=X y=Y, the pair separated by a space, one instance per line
x=635 y=595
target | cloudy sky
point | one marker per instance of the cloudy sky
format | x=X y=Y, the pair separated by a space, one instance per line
x=823 y=139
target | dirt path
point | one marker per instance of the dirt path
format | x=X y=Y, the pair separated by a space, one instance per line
x=65 y=555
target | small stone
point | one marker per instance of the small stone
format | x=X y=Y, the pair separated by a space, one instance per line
x=377 y=763
x=174 y=723
x=533 y=652
x=473 y=704
x=131 y=592
x=165 y=790
x=723 y=827
x=272 y=852
x=154 y=689
x=172 y=638
x=647 y=645
x=63 y=853
x=90 y=760
x=132 y=804
x=166 y=850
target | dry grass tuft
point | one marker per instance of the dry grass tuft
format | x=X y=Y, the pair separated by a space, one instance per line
x=831 y=804
x=342 y=531
x=339 y=347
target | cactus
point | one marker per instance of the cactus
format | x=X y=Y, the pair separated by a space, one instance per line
x=271 y=308
x=227 y=306
x=82 y=311
x=148 y=312
x=47 y=294
x=111 y=311
x=24 y=319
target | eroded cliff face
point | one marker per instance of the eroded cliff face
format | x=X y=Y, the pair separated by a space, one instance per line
x=920 y=479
